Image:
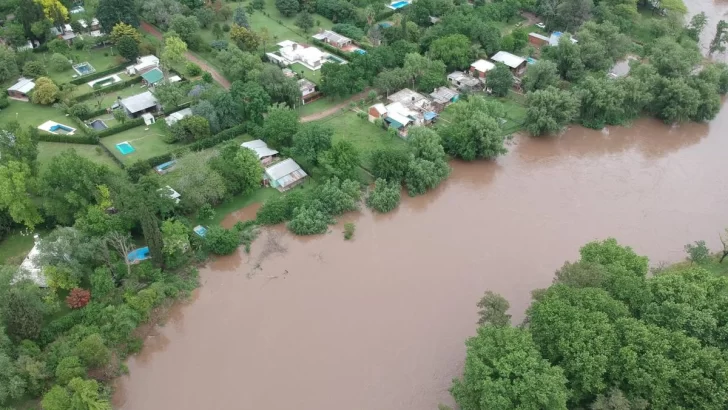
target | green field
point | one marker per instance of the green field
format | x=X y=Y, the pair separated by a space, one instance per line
x=322 y=104
x=366 y=136
x=95 y=57
x=311 y=75
x=48 y=150
x=28 y=114
x=146 y=144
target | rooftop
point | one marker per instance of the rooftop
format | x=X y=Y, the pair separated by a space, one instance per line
x=483 y=66
x=409 y=98
x=24 y=85
x=511 y=60
x=331 y=36
x=284 y=168
x=463 y=79
x=304 y=84
x=556 y=37
x=539 y=36
x=176 y=116
x=139 y=102
x=31 y=269
x=260 y=148
x=443 y=95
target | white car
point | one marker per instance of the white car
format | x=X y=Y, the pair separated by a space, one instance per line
x=541 y=26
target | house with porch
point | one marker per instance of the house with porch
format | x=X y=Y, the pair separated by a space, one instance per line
x=21 y=89
x=308 y=91
x=515 y=63
x=406 y=108
x=284 y=175
x=139 y=104
x=333 y=38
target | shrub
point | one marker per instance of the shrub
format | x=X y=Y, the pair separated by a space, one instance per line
x=698 y=253
x=79 y=110
x=206 y=212
x=280 y=209
x=385 y=196
x=78 y=298
x=207 y=77
x=92 y=351
x=59 y=62
x=34 y=69
x=45 y=91
x=193 y=69
x=4 y=101
x=221 y=241
x=349 y=229
x=69 y=368
x=226 y=27
x=309 y=220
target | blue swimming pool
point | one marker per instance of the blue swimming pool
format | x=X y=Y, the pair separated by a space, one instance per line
x=84 y=68
x=200 y=230
x=398 y=5
x=138 y=254
x=166 y=166
x=360 y=51
x=125 y=148
x=61 y=129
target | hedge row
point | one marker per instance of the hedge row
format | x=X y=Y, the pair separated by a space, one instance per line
x=332 y=49
x=71 y=139
x=129 y=124
x=384 y=15
x=114 y=87
x=92 y=114
x=98 y=74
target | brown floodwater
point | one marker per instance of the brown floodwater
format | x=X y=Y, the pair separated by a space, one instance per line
x=379 y=322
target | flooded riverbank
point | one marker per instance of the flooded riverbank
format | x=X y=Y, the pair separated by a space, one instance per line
x=379 y=322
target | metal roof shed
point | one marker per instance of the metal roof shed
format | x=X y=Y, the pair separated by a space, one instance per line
x=139 y=102
x=511 y=60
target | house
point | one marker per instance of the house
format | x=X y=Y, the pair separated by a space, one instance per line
x=176 y=116
x=285 y=175
x=265 y=154
x=310 y=57
x=94 y=24
x=153 y=76
x=515 y=63
x=538 y=40
x=136 y=105
x=332 y=38
x=143 y=64
x=21 y=89
x=406 y=108
x=556 y=38
x=464 y=82
x=30 y=268
x=308 y=91
x=376 y=111
x=64 y=32
x=442 y=97
x=480 y=68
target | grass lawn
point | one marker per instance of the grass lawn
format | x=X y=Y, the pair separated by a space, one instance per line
x=300 y=69
x=95 y=57
x=173 y=176
x=322 y=104
x=107 y=100
x=48 y=150
x=364 y=135
x=146 y=144
x=239 y=202
x=32 y=115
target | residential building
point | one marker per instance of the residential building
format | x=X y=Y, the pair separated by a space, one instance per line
x=515 y=63
x=538 y=40
x=480 y=68
x=143 y=64
x=21 y=89
x=464 y=82
x=442 y=97
x=284 y=175
x=406 y=108
x=308 y=91
x=332 y=38
x=310 y=57
x=265 y=154
x=136 y=105
x=176 y=116
x=376 y=111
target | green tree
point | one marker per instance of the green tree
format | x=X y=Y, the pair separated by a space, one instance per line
x=720 y=39
x=186 y=27
x=504 y=370
x=175 y=236
x=340 y=80
x=474 y=132
x=673 y=59
x=59 y=62
x=85 y=395
x=288 y=8
x=309 y=220
x=385 y=196
x=69 y=368
x=311 y=140
x=8 y=65
x=280 y=126
x=389 y=164
x=696 y=26
x=57 y=398
x=16 y=183
x=425 y=74
x=493 y=308
x=200 y=184
x=217 y=31
x=240 y=18
x=423 y=175
x=169 y=94
x=221 y=241
x=246 y=40
x=34 y=68
x=111 y=12
x=335 y=197
x=540 y=76
x=280 y=88
x=454 y=50
x=23 y=313
x=122 y=30
x=675 y=101
x=128 y=48
x=206 y=16
x=304 y=21
x=45 y=91
x=341 y=161
x=392 y=80
x=240 y=168
x=709 y=101
x=174 y=50
x=549 y=111
x=500 y=80
x=600 y=102
x=152 y=235
x=568 y=60
x=93 y=352
x=253 y=99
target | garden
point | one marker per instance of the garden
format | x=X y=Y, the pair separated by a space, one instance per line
x=145 y=143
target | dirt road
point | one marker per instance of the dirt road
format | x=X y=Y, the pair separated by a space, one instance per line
x=336 y=108
x=200 y=62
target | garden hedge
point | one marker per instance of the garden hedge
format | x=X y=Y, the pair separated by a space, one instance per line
x=384 y=15
x=92 y=114
x=98 y=74
x=113 y=87
x=71 y=139
x=129 y=124
x=331 y=49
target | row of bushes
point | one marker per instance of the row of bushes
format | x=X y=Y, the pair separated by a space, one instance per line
x=70 y=139
x=129 y=124
x=143 y=166
x=384 y=15
x=98 y=74
x=114 y=87
x=92 y=114
x=331 y=49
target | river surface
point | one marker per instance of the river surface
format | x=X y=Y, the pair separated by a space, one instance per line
x=379 y=322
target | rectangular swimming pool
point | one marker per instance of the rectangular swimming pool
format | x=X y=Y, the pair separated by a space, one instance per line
x=399 y=4
x=61 y=129
x=125 y=148
x=83 y=68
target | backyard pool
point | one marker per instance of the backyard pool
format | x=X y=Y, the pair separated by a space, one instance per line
x=125 y=148
x=334 y=59
x=138 y=255
x=200 y=230
x=166 y=167
x=83 y=68
x=56 y=128
x=398 y=5
x=98 y=125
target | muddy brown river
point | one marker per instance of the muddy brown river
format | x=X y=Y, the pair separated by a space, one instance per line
x=379 y=322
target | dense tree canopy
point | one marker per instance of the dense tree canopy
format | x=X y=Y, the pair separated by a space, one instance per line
x=475 y=131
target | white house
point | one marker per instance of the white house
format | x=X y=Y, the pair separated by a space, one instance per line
x=261 y=149
x=143 y=64
x=139 y=104
x=178 y=115
x=310 y=57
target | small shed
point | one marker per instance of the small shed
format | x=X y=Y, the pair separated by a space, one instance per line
x=261 y=149
x=136 y=105
x=538 y=40
x=22 y=88
x=285 y=175
x=480 y=68
x=153 y=76
x=515 y=63
x=333 y=38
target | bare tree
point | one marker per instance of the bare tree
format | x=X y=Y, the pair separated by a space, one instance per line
x=724 y=241
x=122 y=244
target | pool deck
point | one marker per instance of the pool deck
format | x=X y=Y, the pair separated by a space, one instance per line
x=46 y=126
x=400 y=4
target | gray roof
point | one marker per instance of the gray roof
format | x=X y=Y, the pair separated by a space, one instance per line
x=331 y=36
x=139 y=102
x=443 y=95
x=260 y=148
x=508 y=59
x=283 y=168
x=24 y=85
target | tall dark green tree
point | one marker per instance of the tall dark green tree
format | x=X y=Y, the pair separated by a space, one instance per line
x=111 y=12
x=152 y=234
